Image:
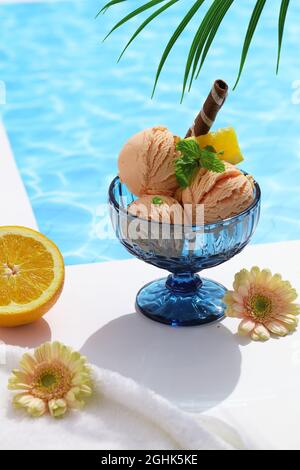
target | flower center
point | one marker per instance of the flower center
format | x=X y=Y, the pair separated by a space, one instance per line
x=261 y=306
x=48 y=379
x=51 y=381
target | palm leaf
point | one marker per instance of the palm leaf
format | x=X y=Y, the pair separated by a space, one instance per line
x=218 y=20
x=191 y=13
x=281 y=23
x=249 y=35
x=134 y=13
x=198 y=41
x=108 y=5
x=205 y=34
x=146 y=22
x=205 y=28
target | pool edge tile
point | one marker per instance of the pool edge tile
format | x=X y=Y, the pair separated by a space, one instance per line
x=15 y=206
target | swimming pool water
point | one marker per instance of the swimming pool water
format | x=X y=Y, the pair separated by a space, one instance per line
x=70 y=107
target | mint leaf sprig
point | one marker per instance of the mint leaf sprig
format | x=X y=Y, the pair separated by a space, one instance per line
x=192 y=158
x=157 y=201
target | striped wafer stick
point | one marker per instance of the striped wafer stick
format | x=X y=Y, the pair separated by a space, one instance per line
x=211 y=107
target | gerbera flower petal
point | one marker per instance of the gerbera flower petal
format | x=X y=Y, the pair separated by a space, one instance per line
x=19 y=380
x=86 y=390
x=293 y=309
x=21 y=400
x=241 y=278
x=261 y=333
x=57 y=350
x=238 y=307
x=246 y=326
x=77 y=365
x=254 y=274
x=57 y=408
x=17 y=386
x=74 y=398
x=243 y=291
x=228 y=298
x=277 y=328
x=288 y=320
x=236 y=297
x=43 y=353
x=289 y=323
x=20 y=376
x=27 y=362
x=81 y=378
x=255 y=336
x=231 y=313
x=34 y=406
x=291 y=295
x=265 y=276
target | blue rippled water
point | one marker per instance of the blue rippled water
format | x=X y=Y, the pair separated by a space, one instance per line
x=70 y=107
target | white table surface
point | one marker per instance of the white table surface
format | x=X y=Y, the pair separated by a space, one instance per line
x=253 y=386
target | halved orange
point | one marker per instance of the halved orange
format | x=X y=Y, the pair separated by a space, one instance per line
x=32 y=275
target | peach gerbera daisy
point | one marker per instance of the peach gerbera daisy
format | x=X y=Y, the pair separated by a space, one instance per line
x=53 y=379
x=265 y=303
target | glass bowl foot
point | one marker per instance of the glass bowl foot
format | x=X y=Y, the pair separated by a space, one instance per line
x=165 y=305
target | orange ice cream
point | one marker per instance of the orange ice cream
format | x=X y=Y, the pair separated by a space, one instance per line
x=223 y=194
x=169 y=211
x=146 y=162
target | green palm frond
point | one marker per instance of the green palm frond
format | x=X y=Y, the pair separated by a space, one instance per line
x=182 y=25
x=260 y=4
x=146 y=22
x=203 y=39
x=134 y=13
x=108 y=5
x=281 y=23
x=204 y=35
x=197 y=45
x=226 y=4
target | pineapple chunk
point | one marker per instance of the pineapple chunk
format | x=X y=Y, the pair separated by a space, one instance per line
x=223 y=140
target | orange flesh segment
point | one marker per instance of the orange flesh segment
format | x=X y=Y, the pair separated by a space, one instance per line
x=26 y=269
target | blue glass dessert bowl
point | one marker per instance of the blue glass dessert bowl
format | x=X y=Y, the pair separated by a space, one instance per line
x=183 y=298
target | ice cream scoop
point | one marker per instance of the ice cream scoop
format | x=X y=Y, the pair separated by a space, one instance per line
x=146 y=162
x=157 y=209
x=222 y=194
x=162 y=239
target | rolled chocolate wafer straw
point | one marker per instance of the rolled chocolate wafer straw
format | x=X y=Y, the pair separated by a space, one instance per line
x=211 y=107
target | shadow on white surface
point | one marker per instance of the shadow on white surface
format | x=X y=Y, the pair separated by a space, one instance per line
x=27 y=336
x=196 y=368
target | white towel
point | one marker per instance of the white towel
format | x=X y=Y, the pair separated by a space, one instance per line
x=120 y=415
